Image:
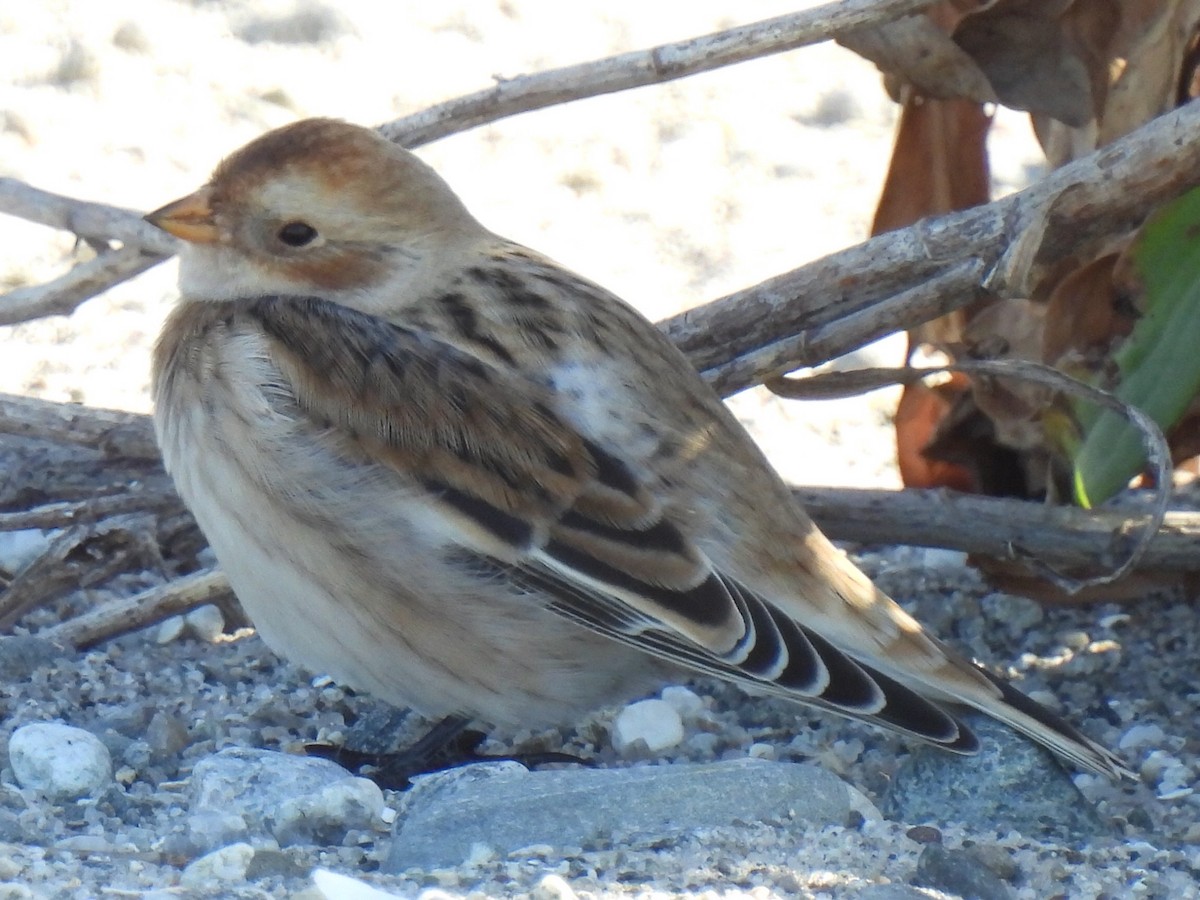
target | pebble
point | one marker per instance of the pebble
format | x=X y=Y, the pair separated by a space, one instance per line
x=959 y=872
x=19 y=548
x=58 y=760
x=335 y=886
x=225 y=864
x=684 y=701
x=1010 y=783
x=169 y=630
x=325 y=815
x=654 y=723
x=1140 y=735
x=553 y=887
x=507 y=807
x=206 y=622
x=260 y=794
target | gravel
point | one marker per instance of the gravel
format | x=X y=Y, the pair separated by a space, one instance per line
x=670 y=195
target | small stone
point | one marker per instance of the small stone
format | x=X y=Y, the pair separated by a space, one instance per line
x=208 y=829
x=206 y=622
x=997 y=859
x=326 y=815
x=166 y=736
x=653 y=722
x=1018 y=614
x=888 y=892
x=270 y=863
x=226 y=864
x=169 y=630
x=924 y=834
x=940 y=558
x=1141 y=735
x=553 y=887
x=61 y=761
x=334 y=886
x=684 y=701
x=293 y=799
x=958 y=872
x=19 y=548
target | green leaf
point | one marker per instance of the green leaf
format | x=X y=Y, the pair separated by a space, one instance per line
x=1159 y=363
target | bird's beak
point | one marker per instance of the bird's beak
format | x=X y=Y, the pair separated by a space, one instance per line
x=190 y=219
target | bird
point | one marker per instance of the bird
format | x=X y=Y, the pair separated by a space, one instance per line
x=443 y=469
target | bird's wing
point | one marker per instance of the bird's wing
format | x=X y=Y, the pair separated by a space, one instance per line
x=528 y=495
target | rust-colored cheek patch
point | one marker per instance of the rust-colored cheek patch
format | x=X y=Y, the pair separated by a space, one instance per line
x=336 y=269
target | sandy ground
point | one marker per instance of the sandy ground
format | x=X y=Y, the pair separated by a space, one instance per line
x=670 y=195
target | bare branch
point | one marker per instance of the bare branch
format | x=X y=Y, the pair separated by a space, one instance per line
x=93 y=221
x=157 y=497
x=1065 y=537
x=85 y=280
x=141 y=610
x=116 y=433
x=1157 y=452
x=639 y=68
x=736 y=341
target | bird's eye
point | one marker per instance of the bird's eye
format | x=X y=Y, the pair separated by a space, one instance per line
x=297 y=234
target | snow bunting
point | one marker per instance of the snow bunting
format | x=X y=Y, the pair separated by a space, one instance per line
x=445 y=470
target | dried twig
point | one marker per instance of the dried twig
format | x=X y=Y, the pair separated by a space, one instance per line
x=141 y=610
x=145 y=247
x=85 y=280
x=766 y=330
x=1065 y=537
x=639 y=68
x=1157 y=452
x=91 y=221
x=81 y=556
x=115 y=433
x=157 y=496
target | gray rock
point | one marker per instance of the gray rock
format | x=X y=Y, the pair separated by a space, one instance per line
x=1011 y=783
x=507 y=807
x=60 y=761
x=889 y=892
x=959 y=872
x=324 y=816
x=226 y=864
x=292 y=799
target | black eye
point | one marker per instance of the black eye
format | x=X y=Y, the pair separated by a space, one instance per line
x=297 y=234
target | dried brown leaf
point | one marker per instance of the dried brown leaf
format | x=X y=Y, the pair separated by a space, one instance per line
x=1043 y=56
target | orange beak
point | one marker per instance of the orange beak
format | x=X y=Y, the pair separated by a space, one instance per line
x=190 y=218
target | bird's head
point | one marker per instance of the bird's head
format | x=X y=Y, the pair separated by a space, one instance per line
x=319 y=207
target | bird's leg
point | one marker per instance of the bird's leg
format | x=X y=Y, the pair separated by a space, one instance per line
x=445 y=746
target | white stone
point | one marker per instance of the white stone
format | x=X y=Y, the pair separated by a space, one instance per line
x=684 y=700
x=169 y=630
x=226 y=864
x=344 y=804
x=334 y=886
x=60 y=761
x=653 y=721
x=553 y=887
x=1140 y=735
x=207 y=622
x=19 y=548
x=939 y=558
